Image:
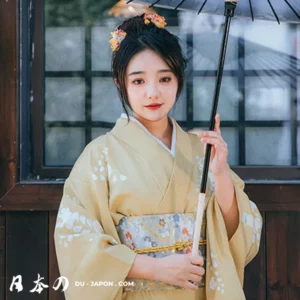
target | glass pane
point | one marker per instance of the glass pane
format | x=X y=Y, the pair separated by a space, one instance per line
x=63 y=145
x=101 y=52
x=268 y=146
x=230 y=136
x=64 y=99
x=267 y=98
x=64 y=48
x=207 y=37
x=203 y=89
x=267 y=45
x=106 y=105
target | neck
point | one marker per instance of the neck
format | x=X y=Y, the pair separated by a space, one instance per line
x=161 y=129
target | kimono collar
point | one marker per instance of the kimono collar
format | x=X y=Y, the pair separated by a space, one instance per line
x=174 y=134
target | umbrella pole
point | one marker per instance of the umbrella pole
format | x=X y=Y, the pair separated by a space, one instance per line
x=229 y=13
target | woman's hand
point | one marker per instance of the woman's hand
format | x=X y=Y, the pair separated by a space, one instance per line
x=219 y=150
x=181 y=270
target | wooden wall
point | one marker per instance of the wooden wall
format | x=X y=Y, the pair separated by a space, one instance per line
x=28 y=211
x=27 y=220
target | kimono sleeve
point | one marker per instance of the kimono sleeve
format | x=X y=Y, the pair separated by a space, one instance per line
x=244 y=244
x=87 y=246
x=226 y=260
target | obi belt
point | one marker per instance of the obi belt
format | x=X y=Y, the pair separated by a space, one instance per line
x=160 y=236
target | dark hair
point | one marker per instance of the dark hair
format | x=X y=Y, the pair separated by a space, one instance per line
x=141 y=36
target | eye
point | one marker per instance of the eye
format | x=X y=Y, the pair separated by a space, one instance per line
x=137 y=81
x=166 y=79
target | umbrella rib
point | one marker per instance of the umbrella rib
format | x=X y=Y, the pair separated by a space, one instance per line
x=149 y=6
x=251 y=10
x=154 y=3
x=292 y=8
x=179 y=4
x=274 y=11
x=202 y=7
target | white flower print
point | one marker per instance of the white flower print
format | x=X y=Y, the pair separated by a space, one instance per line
x=254 y=221
x=77 y=225
x=216 y=282
x=213 y=284
x=100 y=172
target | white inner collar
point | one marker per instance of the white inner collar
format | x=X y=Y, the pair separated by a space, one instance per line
x=173 y=144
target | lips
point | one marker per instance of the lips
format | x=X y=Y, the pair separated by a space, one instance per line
x=154 y=106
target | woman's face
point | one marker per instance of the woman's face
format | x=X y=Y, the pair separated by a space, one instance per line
x=150 y=81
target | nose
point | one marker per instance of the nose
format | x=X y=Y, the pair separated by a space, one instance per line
x=152 y=92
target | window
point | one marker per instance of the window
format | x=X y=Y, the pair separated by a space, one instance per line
x=75 y=100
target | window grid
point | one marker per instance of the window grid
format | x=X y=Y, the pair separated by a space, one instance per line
x=241 y=124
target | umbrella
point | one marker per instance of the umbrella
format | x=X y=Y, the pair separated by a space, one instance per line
x=285 y=10
x=279 y=10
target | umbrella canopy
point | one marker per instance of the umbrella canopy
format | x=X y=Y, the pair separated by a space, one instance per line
x=280 y=10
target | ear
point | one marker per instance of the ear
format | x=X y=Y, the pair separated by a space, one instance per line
x=116 y=82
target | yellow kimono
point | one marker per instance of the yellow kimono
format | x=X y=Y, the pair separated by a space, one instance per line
x=128 y=172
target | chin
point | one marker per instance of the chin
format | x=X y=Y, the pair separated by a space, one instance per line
x=154 y=116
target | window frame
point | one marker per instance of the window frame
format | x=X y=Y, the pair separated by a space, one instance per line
x=248 y=173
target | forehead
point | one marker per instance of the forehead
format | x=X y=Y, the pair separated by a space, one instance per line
x=146 y=60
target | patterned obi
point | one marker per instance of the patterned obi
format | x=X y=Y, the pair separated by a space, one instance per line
x=159 y=236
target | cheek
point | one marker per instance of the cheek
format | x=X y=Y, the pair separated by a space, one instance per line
x=133 y=95
x=172 y=91
x=133 y=90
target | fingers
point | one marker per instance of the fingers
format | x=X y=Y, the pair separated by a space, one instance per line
x=197 y=270
x=189 y=285
x=196 y=131
x=217 y=123
x=212 y=134
x=215 y=141
x=215 y=133
x=195 y=278
x=196 y=260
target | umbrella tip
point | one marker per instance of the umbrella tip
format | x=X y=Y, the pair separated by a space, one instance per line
x=274 y=12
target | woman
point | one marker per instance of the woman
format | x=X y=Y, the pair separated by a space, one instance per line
x=128 y=210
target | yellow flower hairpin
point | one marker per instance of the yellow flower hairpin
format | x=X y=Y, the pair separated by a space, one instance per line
x=117 y=37
x=156 y=19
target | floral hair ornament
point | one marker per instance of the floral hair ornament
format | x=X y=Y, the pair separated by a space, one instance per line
x=156 y=19
x=117 y=37
x=119 y=34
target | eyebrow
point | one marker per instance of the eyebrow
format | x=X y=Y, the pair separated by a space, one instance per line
x=141 y=72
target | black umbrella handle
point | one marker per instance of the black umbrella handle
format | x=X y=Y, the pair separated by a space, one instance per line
x=229 y=13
